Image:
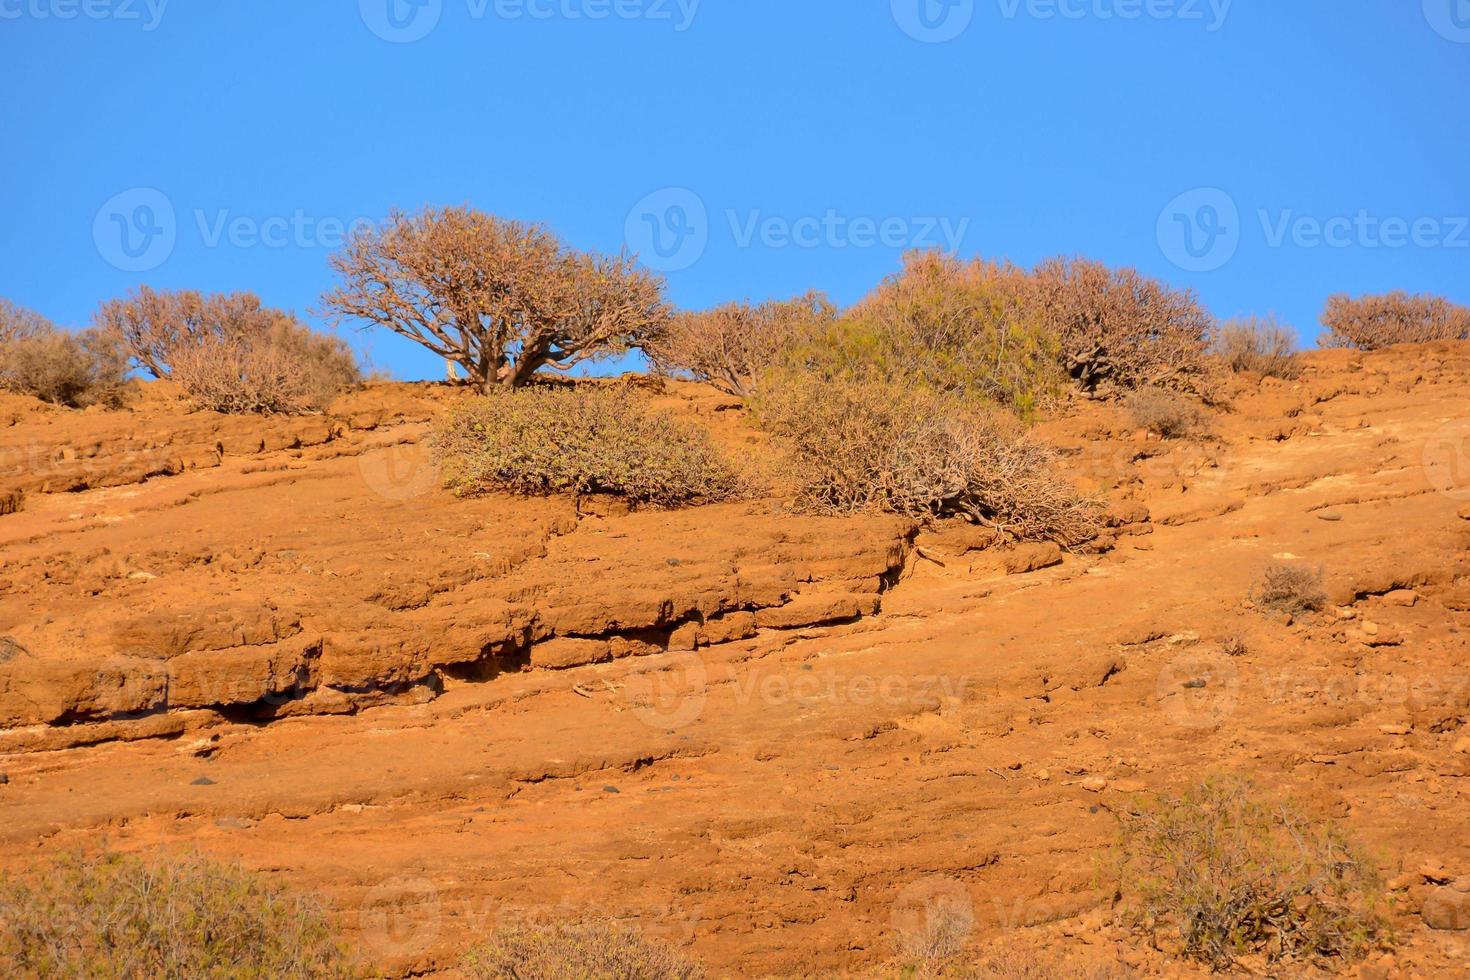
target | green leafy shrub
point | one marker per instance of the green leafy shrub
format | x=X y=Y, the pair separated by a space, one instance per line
x=594 y=950
x=1117 y=327
x=181 y=918
x=1372 y=322
x=949 y=325
x=1258 y=345
x=1166 y=413
x=857 y=445
x=1229 y=875
x=1288 y=588
x=584 y=439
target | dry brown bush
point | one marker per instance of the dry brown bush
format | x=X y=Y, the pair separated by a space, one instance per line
x=126 y=918
x=229 y=353
x=1230 y=875
x=1166 y=413
x=582 y=439
x=950 y=325
x=17 y=322
x=73 y=369
x=1288 y=588
x=500 y=298
x=1372 y=322
x=730 y=346
x=1258 y=345
x=1119 y=327
x=586 y=950
x=856 y=445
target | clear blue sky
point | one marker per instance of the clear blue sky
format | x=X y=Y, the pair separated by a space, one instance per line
x=766 y=146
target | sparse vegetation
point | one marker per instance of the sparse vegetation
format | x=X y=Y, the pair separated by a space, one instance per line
x=582 y=439
x=76 y=369
x=228 y=352
x=1290 y=588
x=859 y=445
x=590 y=950
x=500 y=298
x=1117 y=327
x=1226 y=875
x=1258 y=345
x=1373 y=322
x=730 y=346
x=949 y=325
x=1166 y=413
x=126 y=918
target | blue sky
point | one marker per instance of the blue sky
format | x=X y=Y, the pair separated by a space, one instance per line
x=1264 y=153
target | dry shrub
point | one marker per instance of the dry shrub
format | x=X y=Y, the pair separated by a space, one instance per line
x=1164 y=412
x=179 y=917
x=228 y=352
x=1017 y=957
x=950 y=325
x=1258 y=345
x=1230 y=875
x=18 y=323
x=62 y=367
x=583 y=439
x=591 y=950
x=858 y=445
x=1287 y=588
x=500 y=298
x=1372 y=322
x=731 y=345
x=285 y=368
x=1119 y=327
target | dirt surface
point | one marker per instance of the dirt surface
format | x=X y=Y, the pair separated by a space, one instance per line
x=773 y=739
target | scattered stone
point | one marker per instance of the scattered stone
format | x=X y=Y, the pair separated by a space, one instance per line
x=4 y=778
x=1346 y=613
x=1370 y=628
x=1402 y=597
x=1462 y=744
x=1328 y=515
x=1031 y=557
x=611 y=789
x=1447 y=909
x=1094 y=784
x=202 y=781
x=1199 y=684
x=234 y=823
x=1465 y=512
x=1395 y=729
x=1129 y=786
x=1042 y=775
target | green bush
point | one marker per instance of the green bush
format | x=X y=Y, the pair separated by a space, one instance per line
x=946 y=324
x=584 y=439
x=595 y=950
x=180 y=918
x=1229 y=875
x=857 y=445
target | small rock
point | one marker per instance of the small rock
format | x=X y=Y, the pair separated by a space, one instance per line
x=611 y=789
x=1129 y=786
x=1462 y=744
x=4 y=779
x=1370 y=628
x=234 y=823
x=1042 y=775
x=1447 y=910
x=1094 y=784
x=1328 y=515
x=1395 y=729
x=1198 y=684
x=202 y=781
x=1346 y=613
x=1465 y=512
x=1402 y=597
